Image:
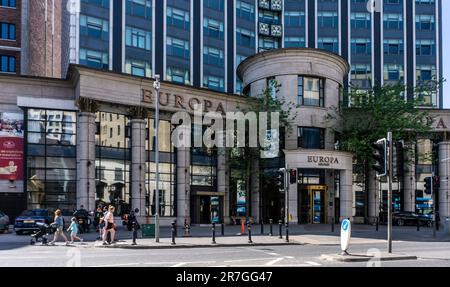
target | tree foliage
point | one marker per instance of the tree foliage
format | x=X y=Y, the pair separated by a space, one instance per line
x=369 y=116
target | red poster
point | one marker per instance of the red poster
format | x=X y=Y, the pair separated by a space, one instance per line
x=11 y=146
x=11 y=158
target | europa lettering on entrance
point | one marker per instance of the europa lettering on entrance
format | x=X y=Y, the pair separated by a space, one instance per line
x=323 y=160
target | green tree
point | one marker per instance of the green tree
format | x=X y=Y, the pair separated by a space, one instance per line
x=368 y=116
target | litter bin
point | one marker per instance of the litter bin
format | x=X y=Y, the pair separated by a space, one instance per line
x=148 y=230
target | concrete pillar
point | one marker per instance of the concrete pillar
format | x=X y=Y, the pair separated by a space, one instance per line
x=293 y=202
x=86 y=160
x=373 y=197
x=346 y=195
x=444 y=173
x=255 y=191
x=329 y=204
x=138 y=167
x=183 y=184
x=409 y=179
x=223 y=182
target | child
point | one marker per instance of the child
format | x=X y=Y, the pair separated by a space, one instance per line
x=74 y=231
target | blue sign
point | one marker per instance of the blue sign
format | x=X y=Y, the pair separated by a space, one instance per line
x=345 y=224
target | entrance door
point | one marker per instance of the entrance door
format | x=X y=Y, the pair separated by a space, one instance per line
x=313 y=206
x=317 y=206
x=206 y=209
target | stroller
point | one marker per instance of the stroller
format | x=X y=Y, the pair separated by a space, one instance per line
x=42 y=233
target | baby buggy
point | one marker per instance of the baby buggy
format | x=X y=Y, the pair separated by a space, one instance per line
x=42 y=233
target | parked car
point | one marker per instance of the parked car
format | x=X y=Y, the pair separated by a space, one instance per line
x=410 y=218
x=28 y=219
x=4 y=222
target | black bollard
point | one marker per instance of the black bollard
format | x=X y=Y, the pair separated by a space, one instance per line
x=377 y=224
x=280 y=225
x=173 y=232
x=134 y=233
x=222 y=229
x=262 y=227
x=249 y=228
x=418 y=224
x=332 y=224
x=287 y=232
x=271 y=227
x=213 y=233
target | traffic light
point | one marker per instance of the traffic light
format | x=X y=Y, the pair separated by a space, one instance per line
x=397 y=159
x=292 y=176
x=380 y=157
x=427 y=181
x=281 y=176
x=436 y=182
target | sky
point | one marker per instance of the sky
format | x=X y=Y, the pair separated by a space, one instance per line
x=446 y=53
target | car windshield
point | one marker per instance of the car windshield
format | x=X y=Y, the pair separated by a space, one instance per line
x=34 y=213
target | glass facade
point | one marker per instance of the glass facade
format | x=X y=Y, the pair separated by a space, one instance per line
x=167 y=170
x=51 y=159
x=113 y=161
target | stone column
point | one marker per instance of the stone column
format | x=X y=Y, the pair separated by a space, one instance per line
x=183 y=185
x=346 y=195
x=329 y=204
x=138 y=165
x=293 y=202
x=222 y=183
x=444 y=173
x=86 y=160
x=409 y=179
x=373 y=197
x=255 y=191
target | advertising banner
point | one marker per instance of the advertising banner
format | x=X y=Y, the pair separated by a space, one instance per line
x=11 y=146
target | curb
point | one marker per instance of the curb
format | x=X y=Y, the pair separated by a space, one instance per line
x=365 y=258
x=195 y=246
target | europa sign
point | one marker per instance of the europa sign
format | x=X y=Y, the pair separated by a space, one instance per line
x=323 y=160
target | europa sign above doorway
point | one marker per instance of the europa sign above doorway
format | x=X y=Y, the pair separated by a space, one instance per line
x=323 y=160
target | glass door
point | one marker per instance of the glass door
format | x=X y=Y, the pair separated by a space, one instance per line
x=318 y=206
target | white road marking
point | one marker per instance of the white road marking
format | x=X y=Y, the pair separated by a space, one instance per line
x=270 y=263
x=115 y=265
x=245 y=260
x=179 y=264
x=262 y=251
x=289 y=257
x=313 y=263
x=184 y=263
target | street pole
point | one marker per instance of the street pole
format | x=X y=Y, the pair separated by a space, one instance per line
x=433 y=198
x=389 y=207
x=157 y=86
x=286 y=184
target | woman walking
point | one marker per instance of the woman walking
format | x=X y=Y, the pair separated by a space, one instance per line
x=109 y=225
x=58 y=223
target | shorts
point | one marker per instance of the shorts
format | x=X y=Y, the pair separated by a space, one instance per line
x=109 y=226
x=73 y=234
x=59 y=231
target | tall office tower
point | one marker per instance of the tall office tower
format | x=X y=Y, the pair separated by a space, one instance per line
x=30 y=37
x=202 y=42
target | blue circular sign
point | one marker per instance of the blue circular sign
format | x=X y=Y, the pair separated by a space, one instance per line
x=345 y=225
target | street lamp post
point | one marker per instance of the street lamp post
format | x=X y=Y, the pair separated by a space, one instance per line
x=157 y=85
